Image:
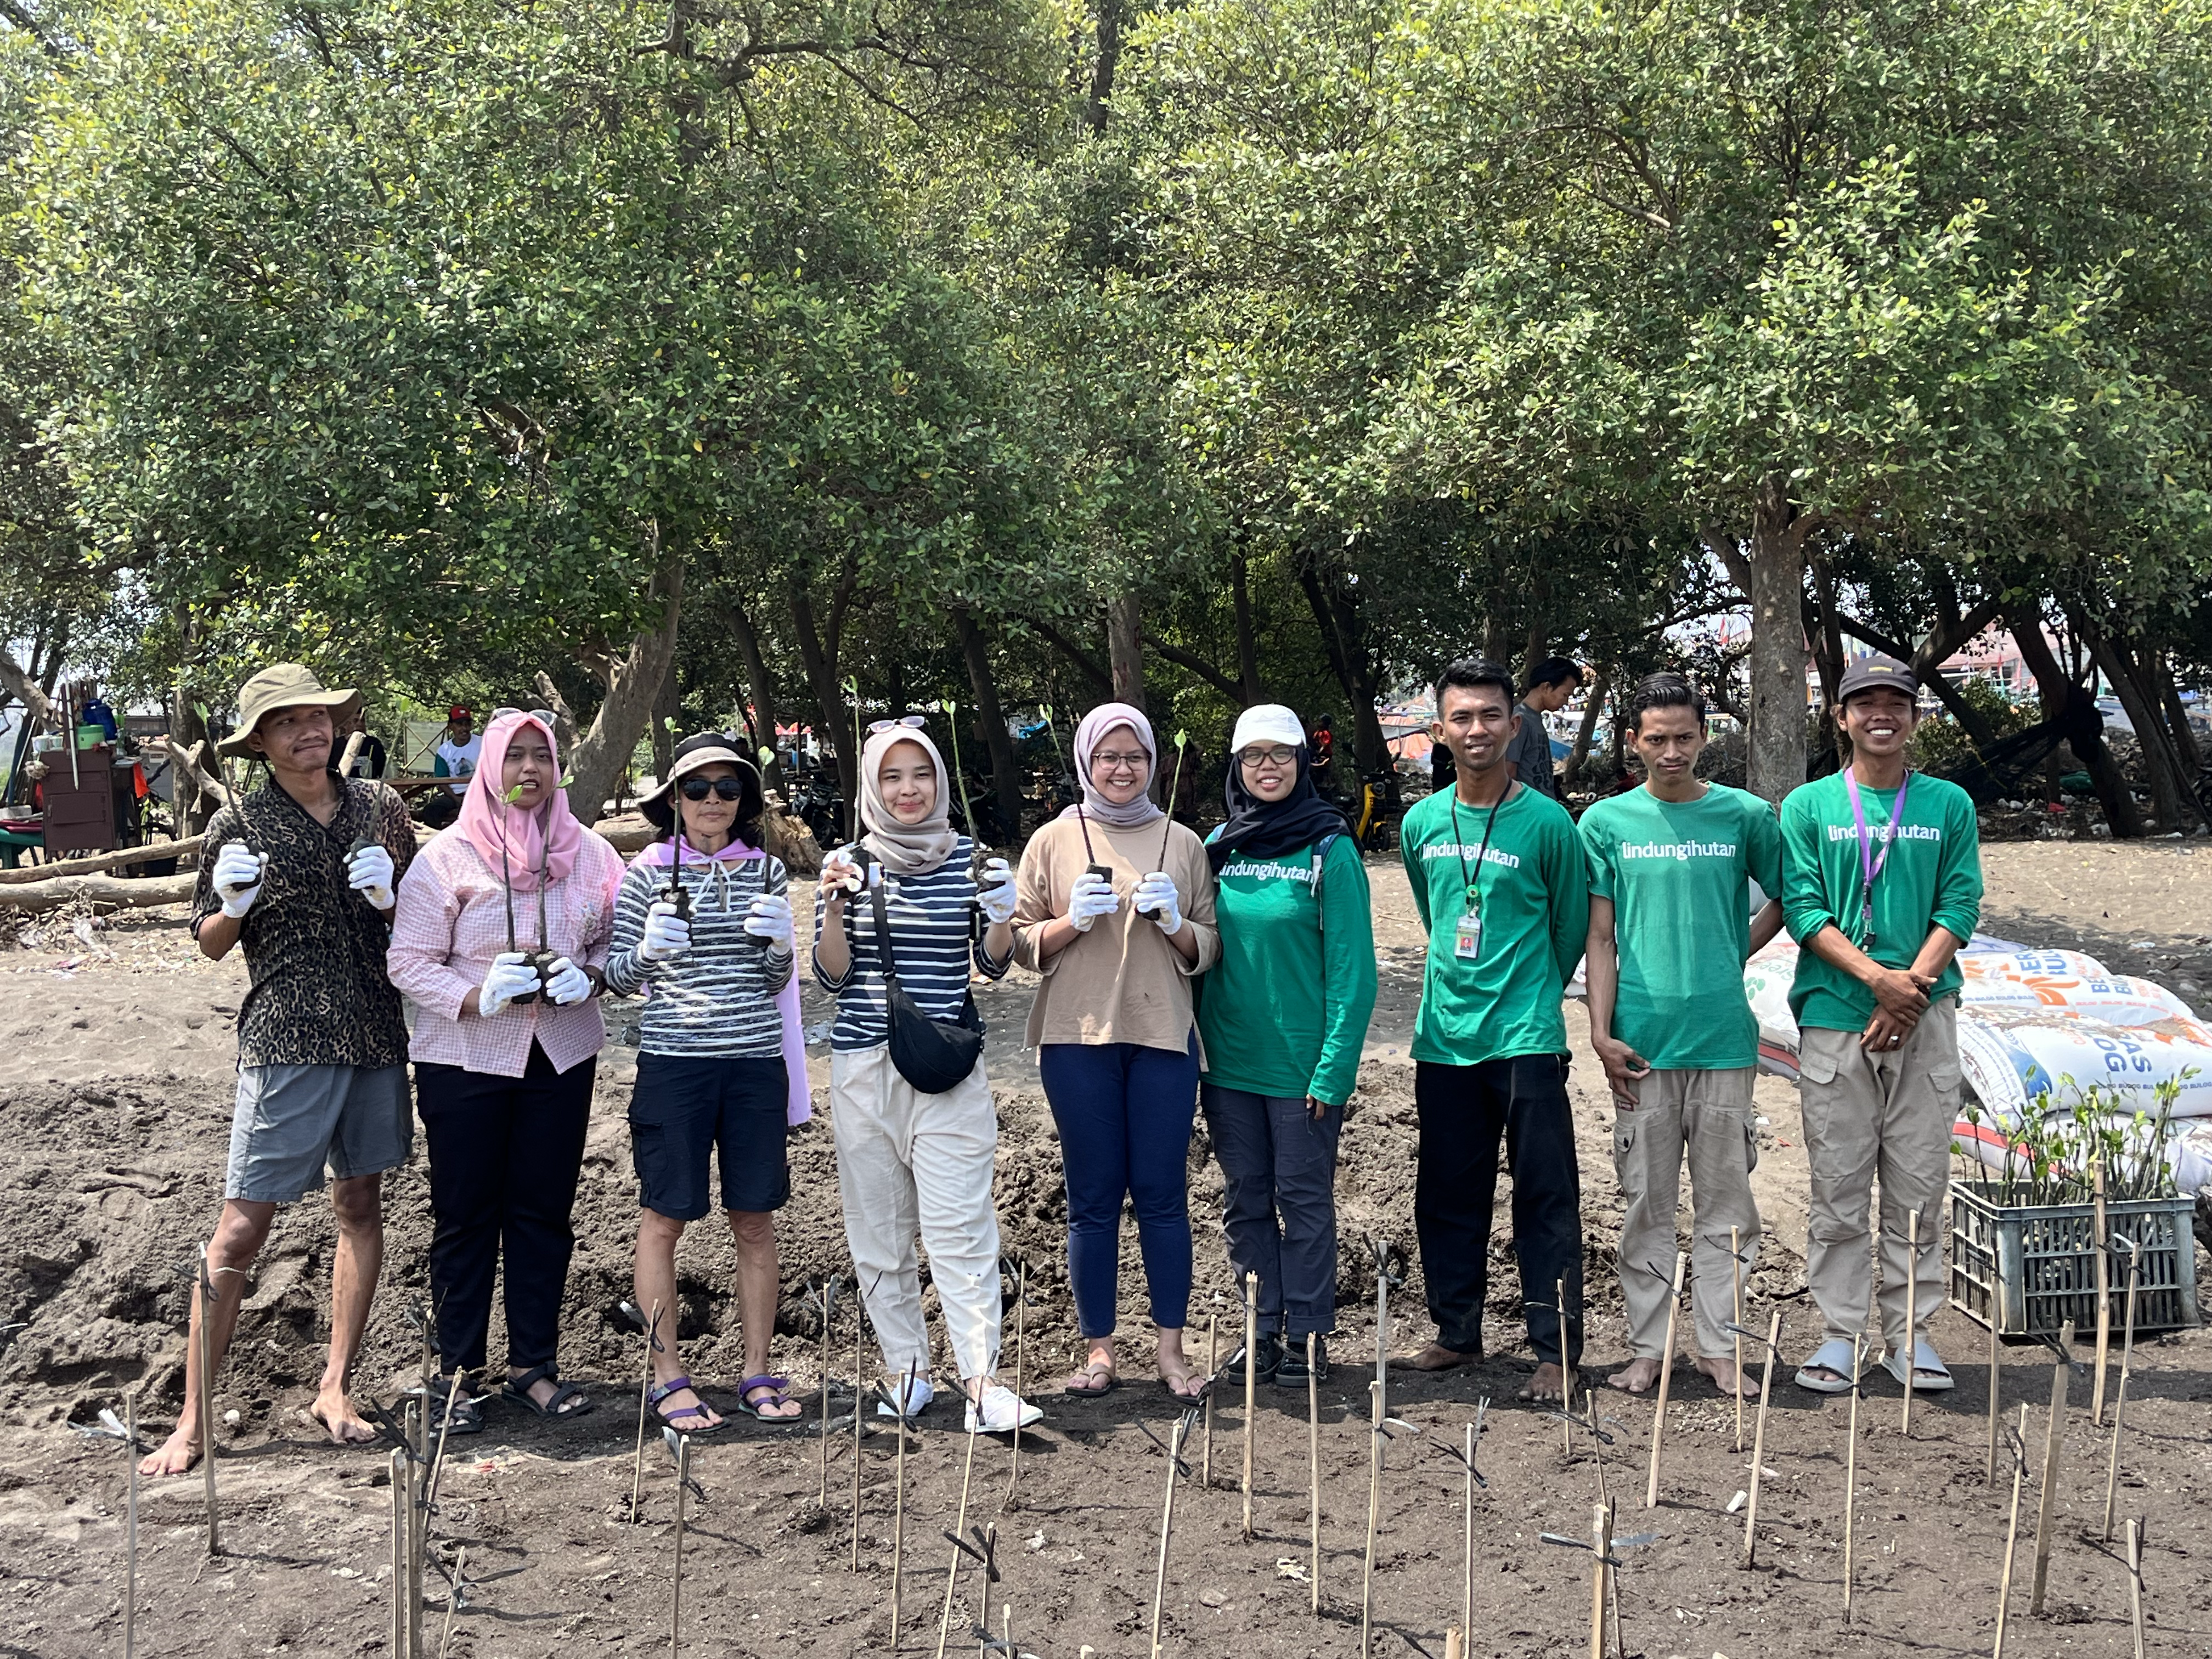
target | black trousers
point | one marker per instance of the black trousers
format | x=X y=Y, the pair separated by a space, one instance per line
x=505 y=1154
x=1463 y=1109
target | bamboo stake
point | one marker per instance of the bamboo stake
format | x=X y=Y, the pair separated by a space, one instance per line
x=1736 y=1263
x=959 y=1531
x=1597 y=1446
x=676 y=1581
x=454 y=1600
x=399 y=1554
x=438 y=1462
x=898 y=1505
x=1251 y=1386
x=1851 y=1474
x=2104 y=1298
x=1167 y=1521
x=203 y=1396
x=1467 y=1539
x=829 y=1302
x=2012 y=1538
x=2135 y=1580
x=2048 y=1500
x=1996 y=1389
x=1567 y=1428
x=2120 y=1404
x=1021 y=1324
x=1452 y=1648
x=418 y=1413
x=1374 y=1507
x=1212 y=1365
x=1313 y=1465
x=1666 y=1377
x=130 y=1525
x=1758 y=1438
x=1600 y=1547
x=859 y=1397
x=1912 y=1330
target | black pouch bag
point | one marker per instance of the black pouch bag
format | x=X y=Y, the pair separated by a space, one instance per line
x=932 y=1054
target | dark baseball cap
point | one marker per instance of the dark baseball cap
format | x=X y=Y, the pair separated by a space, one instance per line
x=1873 y=670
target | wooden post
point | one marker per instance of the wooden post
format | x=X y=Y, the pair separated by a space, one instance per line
x=203 y=1398
x=1758 y=1438
x=644 y=1393
x=1601 y=1546
x=676 y=1577
x=2012 y=1538
x=1313 y=1464
x=1735 y=1263
x=1212 y=1365
x=1452 y=1648
x=1566 y=1428
x=2051 y=1441
x=1996 y=1389
x=859 y=1404
x=898 y=1504
x=399 y=1554
x=1666 y=1377
x=1167 y=1520
x=2104 y=1295
x=1021 y=1325
x=829 y=1303
x=2135 y=1581
x=1467 y=1541
x=1251 y=1386
x=130 y=1524
x=1911 y=1332
x=417 y=1525
x=960 y=1530
x=1374 y=1509
x=1851 y=1474
x=2120 y=1405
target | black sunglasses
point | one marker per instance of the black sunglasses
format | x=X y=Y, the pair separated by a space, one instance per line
x=700 y=789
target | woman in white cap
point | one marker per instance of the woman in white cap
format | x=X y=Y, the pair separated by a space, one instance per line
x=911 y=1158
x=1117 y=911
x=1284 y=1015
x=703 y=928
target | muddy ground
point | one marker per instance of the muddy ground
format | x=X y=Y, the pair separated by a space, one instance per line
x=115 y=1073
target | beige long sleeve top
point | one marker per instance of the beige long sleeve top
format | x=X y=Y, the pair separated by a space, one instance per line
x=1122 y=982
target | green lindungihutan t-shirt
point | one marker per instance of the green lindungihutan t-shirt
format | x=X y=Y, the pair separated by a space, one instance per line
x=1534 y=887
x=1679 y=875
x=1933 y=880
x=1284 y=1011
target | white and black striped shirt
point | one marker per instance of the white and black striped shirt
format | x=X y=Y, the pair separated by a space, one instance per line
x=717 y=998
x=932 y=941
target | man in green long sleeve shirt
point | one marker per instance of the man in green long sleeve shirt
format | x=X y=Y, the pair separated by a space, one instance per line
x=1501 y=884
x=1882 y=885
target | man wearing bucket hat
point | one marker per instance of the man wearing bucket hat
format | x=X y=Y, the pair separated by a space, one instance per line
x=301 y=873
x=1881 y=884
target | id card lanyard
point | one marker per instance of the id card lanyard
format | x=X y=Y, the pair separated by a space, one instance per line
x=1467 y=943
x=1871 y=863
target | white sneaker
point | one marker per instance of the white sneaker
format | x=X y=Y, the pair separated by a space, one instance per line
x=1002 y=1409
x=918 y=1394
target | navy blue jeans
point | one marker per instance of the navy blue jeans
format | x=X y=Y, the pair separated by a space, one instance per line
x=1124 y=1114
x=1279 y=1202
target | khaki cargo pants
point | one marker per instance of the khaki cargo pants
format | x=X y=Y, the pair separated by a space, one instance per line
x=1707 y=1115
x=1889 y=1116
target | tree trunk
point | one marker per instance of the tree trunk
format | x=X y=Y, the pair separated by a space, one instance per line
x=2172 y=799
x=991 y=720
x=1770 y=570
x=1125 y=651
x=817 y=654
x=2177 y=717
x=601 y=756
x=2075 y=713
x=1342 y=634
x=1592 y=705
x=667 y=705
x=1539 y=647
x=1828 y=637
x=1493 y=631
x=1095 y=108
x=1248 y=640
x=761 y=688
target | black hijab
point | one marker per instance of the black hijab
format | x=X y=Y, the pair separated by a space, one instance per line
x=1267 y=829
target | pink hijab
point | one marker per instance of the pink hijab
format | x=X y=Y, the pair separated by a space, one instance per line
x=550 y=833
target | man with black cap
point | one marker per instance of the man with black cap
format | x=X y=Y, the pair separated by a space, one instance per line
x=1882 y=885
x=303 y=874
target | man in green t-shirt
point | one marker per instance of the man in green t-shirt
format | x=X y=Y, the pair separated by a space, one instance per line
x=1671 y=869
x=1882 y=885
x=1499 y=880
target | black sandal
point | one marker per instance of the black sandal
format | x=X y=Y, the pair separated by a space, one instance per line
x=518 y=1389
x=467 y=1413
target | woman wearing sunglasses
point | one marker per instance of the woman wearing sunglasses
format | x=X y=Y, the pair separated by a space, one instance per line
x=908 y=1160
x=703 y=928
x=1117 y=911
x=505 y=1051
x=1284 y=1017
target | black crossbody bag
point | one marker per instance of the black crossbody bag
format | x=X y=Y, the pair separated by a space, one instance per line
x=932 y=1054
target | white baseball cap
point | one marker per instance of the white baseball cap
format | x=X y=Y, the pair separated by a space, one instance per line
x=1267 y=722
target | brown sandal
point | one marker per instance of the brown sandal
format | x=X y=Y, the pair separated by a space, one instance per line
x=1091 y=1380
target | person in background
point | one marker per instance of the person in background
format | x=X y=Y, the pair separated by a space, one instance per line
x=910 y=1161
x=721 y=1068
x=1551 y=683
x=369 y=762
x=1282 y=1017
x=1882 y=885
x=300 y=874
x=505 y=1051
x=1320 y=757
x=93 y=710
x=1116 y=913
x=1501 y=886
x=457 y=755
x=1672 y=865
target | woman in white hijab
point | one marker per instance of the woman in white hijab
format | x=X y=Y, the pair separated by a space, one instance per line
x=908 y=1160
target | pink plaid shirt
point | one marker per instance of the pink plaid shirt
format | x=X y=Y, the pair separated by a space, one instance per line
x=452 y=920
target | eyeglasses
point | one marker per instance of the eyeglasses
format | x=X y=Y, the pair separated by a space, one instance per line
x=542 y=716
x=1279 y=756
x=913 y=722
x=1106 y=763
x=724 y=788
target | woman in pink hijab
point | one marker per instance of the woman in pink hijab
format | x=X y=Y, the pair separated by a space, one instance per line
x=500 y=939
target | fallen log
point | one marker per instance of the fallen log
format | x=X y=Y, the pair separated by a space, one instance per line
x=110 y=892
x=95 y=864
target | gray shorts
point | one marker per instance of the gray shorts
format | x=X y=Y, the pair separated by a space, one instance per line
x=291 y=1120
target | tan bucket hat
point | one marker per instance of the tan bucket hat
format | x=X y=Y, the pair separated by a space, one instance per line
x=284 y=685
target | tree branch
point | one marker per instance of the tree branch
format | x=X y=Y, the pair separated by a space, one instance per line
x=1197 y=666
x=1091 y=668
x=25 y=689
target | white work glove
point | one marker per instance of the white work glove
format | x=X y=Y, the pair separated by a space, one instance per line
x=1156 y=893
x=840 y=872
x=238 y=873
x=667 y=934
x=994 y=891
x=1091 y=897
x=566 y=983
x=769 y=918
x=509 y=976
x=368 y=873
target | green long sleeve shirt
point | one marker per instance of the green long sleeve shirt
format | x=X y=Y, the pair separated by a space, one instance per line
x=1284 y=1011
x=1933 y=879
x=1533 y=895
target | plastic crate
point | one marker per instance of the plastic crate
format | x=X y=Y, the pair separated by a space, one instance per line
x=2036 y=1265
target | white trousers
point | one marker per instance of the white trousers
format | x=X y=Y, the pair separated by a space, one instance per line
x=909 y=1163
x=1706 y=1116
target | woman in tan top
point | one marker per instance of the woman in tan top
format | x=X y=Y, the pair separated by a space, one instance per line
x=1116 y=910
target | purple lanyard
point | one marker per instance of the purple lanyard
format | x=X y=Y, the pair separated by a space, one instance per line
x=1871 y=862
